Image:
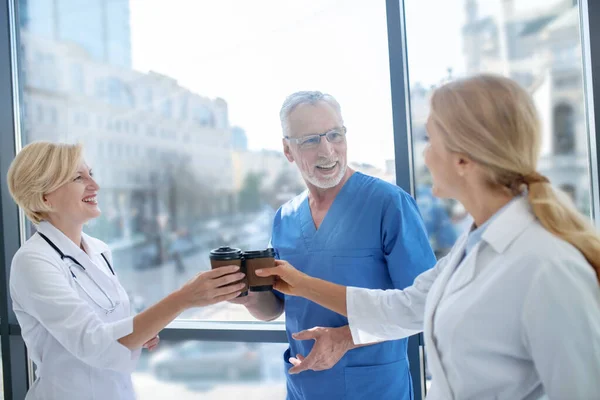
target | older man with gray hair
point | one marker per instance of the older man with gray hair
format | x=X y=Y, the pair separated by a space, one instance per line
x=347 y=228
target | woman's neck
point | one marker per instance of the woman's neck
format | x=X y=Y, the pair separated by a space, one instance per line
x=483 y=204
x=70 y=230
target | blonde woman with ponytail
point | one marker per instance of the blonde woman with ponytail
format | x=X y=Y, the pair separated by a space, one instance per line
x=513 y=311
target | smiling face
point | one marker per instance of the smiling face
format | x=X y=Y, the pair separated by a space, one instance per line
x=75 y=202
x=322 y=166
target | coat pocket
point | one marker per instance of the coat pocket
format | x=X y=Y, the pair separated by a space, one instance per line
x=388 y=381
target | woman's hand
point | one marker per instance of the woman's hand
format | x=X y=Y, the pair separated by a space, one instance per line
x=213 y=287
x=152 y=343
x=288 y=279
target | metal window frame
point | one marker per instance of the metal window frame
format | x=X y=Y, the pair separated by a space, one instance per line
x=589 y=10
x=14 y=358
x=403 y=149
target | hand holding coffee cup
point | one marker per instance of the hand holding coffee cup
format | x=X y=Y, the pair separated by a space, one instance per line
x=226 y=256
x=287 y=279
x=260 y=259
x=212 y=287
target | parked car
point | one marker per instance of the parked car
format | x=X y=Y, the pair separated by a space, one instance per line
x=195 y=360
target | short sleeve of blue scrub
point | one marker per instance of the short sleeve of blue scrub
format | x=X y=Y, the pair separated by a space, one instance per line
x=374 y=237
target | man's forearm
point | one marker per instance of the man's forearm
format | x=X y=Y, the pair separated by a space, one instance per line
x=264 y=306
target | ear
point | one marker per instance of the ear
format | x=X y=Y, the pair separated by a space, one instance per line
x=287 y=150
x=464 y=165
x=46 y=201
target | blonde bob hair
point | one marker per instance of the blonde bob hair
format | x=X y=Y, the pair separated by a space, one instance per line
x=493 y=121
x=41 y=168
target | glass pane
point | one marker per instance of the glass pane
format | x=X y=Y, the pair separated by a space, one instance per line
x=535 y=42
x=211 y=370
x=181 y=124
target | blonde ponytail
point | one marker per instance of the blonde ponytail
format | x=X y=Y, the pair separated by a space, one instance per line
x=563 y=220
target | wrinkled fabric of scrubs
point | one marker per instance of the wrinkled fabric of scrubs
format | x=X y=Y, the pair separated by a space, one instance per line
x=373 y=237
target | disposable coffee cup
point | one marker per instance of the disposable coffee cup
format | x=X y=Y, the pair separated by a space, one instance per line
x=260 y=259
x=224 y=256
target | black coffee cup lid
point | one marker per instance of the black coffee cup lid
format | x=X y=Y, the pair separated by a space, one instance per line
x=225 y=253
x=268 y=253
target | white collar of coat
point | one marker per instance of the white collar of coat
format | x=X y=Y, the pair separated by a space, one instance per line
x=92 y=245
x=509 y=225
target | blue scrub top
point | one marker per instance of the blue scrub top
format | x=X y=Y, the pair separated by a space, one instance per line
x=372 y=237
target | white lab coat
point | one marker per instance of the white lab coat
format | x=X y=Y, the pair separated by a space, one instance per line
x=518 y=319
x=71 y=340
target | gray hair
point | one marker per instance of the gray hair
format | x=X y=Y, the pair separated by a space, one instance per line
x=304 y=97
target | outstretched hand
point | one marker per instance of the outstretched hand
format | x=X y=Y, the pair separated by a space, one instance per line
x=330 y=346
x=288 y=279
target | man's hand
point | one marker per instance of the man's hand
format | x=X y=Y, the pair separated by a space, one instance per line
x=330 y=346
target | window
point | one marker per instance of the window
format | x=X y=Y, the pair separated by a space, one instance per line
x=523 y=52
x=190 y=197
x=39 y=112
x=569 y=190
x=148 y=99
x=77 y=82
x=564 y=129
x=561 y=135
x=211 y=370
x=183 y=108
x=167 y=107
x=203 y=116
x=44 y=71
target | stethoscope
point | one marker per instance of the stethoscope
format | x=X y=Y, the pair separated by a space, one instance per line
x=113 y=304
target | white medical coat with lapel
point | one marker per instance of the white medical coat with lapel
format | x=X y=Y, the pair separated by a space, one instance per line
x=518 y=318
x=71 y=340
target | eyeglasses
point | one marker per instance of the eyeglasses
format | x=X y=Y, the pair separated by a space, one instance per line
x=312 y=141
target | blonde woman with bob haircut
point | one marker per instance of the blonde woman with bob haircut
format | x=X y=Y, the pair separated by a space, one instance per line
x=513 y=311
x=74 y=314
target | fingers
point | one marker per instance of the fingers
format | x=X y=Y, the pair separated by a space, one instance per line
x=306 y=334
x=273 y=271
x=300 y=364
x=227 y=279
x=226 y=297
x=295 y=361
x=229 y=289
x=221 y=271
x=152 y=343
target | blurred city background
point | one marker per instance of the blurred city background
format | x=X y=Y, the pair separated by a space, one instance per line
x=177 y=105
